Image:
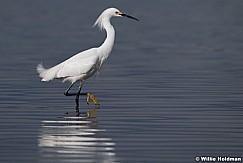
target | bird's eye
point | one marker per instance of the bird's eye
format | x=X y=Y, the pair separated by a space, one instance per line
x=117 y=12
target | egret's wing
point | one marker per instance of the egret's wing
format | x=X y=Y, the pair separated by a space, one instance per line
x=77 y=65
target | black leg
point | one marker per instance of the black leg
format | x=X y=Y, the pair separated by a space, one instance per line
x=77 y=97
x=66 y=92
x=89 y=95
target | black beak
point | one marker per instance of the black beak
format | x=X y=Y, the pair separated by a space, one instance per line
x=128 y=16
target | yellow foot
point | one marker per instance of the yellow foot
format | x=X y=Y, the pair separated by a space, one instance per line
x=92 y=113
x=92 y=97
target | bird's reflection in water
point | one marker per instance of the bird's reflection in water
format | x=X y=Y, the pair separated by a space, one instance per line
x=75 y=139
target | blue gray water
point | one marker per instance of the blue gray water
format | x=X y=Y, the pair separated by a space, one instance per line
x=171 y=90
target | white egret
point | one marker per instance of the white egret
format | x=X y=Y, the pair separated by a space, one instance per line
x=83 y=65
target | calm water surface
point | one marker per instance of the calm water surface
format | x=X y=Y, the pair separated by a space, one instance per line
x=171 y=90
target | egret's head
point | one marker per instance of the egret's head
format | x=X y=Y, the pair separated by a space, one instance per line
x=109 y=13
x=112 y=12
x=115 y=12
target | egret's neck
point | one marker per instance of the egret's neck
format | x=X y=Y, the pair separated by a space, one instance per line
x=107 y=46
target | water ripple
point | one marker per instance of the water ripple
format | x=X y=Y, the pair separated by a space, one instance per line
x=74 y=139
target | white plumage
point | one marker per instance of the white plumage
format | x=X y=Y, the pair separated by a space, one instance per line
x=85 y=64
x=77 y=68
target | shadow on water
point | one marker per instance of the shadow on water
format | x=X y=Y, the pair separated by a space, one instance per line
x=75 y=138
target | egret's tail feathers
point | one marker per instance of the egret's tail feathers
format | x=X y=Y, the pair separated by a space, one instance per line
x=45 y=74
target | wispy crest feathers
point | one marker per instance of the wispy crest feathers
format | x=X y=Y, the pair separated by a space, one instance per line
x=99 y=22
x=104 y=18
